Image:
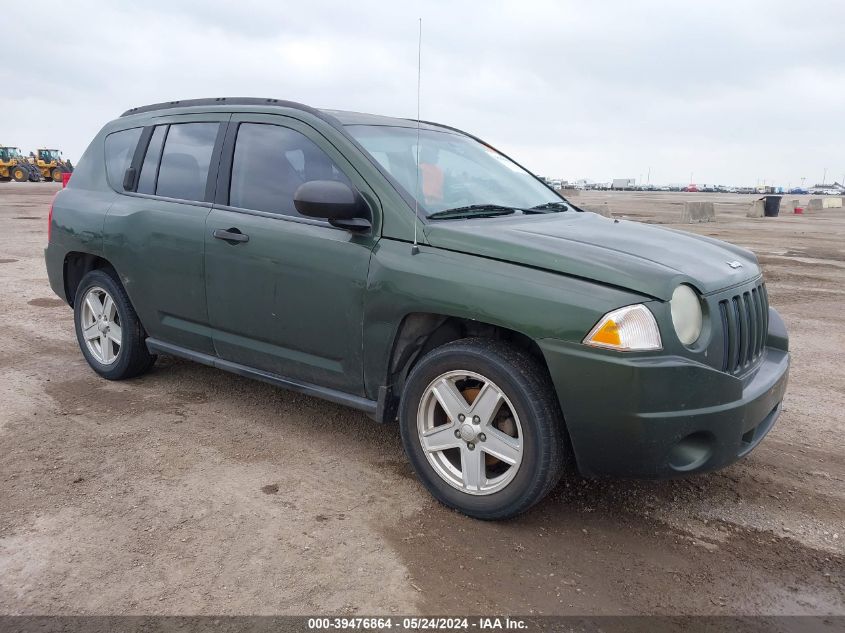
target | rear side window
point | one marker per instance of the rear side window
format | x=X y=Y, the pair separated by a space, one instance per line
x=149 y=169
x=269 y=165
x=185 y=160
x=120 y=147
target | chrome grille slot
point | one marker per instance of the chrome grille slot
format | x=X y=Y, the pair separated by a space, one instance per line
x=745 y=323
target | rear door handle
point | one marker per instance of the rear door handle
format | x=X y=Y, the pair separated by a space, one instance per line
x=230 y=235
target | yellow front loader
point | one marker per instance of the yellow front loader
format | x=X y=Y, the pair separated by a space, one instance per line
x=13 y=165
x=50 y=164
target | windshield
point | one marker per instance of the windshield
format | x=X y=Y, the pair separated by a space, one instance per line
x=455 y=171
x=14 y=151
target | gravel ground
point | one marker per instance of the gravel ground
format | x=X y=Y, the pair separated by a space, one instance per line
x=193 y=491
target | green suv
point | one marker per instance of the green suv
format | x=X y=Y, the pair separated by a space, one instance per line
x=414 y=272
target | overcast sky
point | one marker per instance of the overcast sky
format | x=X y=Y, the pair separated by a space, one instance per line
x=732 y=92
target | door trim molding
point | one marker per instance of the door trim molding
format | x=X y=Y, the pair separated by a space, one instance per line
x=370 y=407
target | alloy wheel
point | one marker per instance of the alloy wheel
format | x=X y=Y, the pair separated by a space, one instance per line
x=470 y=432
x=101 y=327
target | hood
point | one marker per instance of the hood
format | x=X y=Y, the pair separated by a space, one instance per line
x=645 y=258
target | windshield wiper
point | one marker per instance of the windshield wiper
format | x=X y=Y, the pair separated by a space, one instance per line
x=550 y=206
x=472 y=211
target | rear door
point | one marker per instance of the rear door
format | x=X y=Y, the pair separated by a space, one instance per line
x=154 y=233
x=288 y=297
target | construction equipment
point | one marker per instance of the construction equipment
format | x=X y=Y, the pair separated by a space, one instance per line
x=51 y=164
x=13 y=165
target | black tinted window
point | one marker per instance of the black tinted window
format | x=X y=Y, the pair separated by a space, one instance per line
x=120 y=147
x=185 y=160
x=270 y=163
x=149 y=168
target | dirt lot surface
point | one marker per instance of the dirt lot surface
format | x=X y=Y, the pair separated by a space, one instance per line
x=193 y=491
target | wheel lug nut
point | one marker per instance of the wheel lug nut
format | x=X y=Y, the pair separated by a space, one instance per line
x=482 y=437
x=457 y=433
x=461 y=417
x=471 y=446
x=476 y=419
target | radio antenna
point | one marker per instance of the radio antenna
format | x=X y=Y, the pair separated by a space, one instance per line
x=415 y=249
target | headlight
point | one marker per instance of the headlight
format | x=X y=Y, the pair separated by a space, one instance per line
x=626 y=329
x=686 y=314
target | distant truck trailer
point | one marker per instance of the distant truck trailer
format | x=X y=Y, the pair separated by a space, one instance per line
x=623 y=183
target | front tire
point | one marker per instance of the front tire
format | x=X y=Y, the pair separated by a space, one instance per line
x=482 y=428
x=20 y=175
x=107 y=328
x=57 y=175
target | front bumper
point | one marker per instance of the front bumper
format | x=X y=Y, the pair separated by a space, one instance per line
x=664 y=416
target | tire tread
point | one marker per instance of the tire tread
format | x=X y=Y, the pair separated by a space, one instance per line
x=134 y=336
x=535 y=383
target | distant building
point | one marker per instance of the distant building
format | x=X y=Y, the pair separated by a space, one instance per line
x=623 y=183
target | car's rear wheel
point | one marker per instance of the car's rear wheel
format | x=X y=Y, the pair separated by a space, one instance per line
x=482 y=428
x=108 y=330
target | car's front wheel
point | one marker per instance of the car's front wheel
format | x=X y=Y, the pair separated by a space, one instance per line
x=482 y=428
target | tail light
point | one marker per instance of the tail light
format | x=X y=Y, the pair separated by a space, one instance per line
x=50 y=219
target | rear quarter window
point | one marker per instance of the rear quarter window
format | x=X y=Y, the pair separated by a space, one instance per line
x=120 y=147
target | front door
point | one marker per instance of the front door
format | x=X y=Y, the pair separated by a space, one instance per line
x=285 y=292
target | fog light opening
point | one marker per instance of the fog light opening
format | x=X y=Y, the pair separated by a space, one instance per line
x=754 y=436
x=691 y=452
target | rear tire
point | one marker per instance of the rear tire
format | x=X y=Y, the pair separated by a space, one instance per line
x=20 y=174
x=57 y=175
x=487 y=465
x=109 y=333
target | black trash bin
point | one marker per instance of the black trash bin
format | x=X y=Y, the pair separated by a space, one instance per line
x=771 y=206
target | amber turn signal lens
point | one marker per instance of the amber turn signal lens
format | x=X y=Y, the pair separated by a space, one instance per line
x=627 y=329
x=608 y=334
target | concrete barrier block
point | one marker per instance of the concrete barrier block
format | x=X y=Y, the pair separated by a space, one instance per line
x=602 y=208
x=756 y=210
x=815 y=204
x=832 y=203
x=787 y=207
x=698 y=211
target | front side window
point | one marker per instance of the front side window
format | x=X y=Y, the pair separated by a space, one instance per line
x=120 y=147
x=454 y=169
x=185 y=160
x=269 y=165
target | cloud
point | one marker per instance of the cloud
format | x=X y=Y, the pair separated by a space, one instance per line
x=730 y=91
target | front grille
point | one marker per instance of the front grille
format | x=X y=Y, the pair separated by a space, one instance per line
x=745 y=322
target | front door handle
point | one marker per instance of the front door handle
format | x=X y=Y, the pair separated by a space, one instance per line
x=230 y=235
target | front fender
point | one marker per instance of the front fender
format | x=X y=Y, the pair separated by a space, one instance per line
x=536 y=303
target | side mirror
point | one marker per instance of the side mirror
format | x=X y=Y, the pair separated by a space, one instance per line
x=334 y=201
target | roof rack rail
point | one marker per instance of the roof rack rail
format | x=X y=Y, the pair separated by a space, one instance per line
x=190 y=103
